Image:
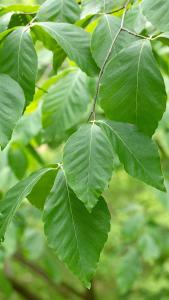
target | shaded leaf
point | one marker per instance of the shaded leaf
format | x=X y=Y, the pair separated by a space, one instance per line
x=17 y=160
x=58 y=57
x=73 y=40
x=12 y=103
x=137 y=152
x=76 y=236
x=65 y=104
x=19 y=60
x=40 y=191
x=14 y=197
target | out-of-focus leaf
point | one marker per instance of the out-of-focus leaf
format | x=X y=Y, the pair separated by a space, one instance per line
x=27 y=127
x=18 y=160
x=65 y=104
x=149 y=247
x=128 y=270
x=5 y=285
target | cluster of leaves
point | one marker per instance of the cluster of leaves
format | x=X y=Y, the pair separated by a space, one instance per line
x=103 y=54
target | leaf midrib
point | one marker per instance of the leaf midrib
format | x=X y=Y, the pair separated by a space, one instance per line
x=73 y=221
x=137 y=80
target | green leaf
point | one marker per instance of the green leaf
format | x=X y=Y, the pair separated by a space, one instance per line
x=88 y=163
x=103 y=37
x=134 y=19
x=17 y=160
x=132 y=89
x=90 y=7
x=65 y=104
x=18 y=8
x=76 y=236
x=136 y=151
x=58 y=57
x=12 y=103
x=20 y=19
x=41 y=190
x=59 y=10
x=4 y=21
x=5 y=33
x=19 y=60
x=73 y=40
x=14 y=197
x=157 y=12
x=164 y=38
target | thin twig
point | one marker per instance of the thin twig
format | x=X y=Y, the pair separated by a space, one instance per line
x=106 y=60
x=135 y=34
x=113 y=11
x=41 y=89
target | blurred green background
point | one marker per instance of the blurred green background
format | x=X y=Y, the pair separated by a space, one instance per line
x=135 y=262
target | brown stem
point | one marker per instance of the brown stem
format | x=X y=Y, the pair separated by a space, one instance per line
x=63 y=288
x=22 y=290
x=90 y=294
x=106 y=60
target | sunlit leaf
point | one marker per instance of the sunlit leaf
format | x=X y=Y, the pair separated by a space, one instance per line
x=132 y=89
x=88 y=163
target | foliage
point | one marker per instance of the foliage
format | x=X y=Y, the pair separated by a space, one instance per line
x=85 y=84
